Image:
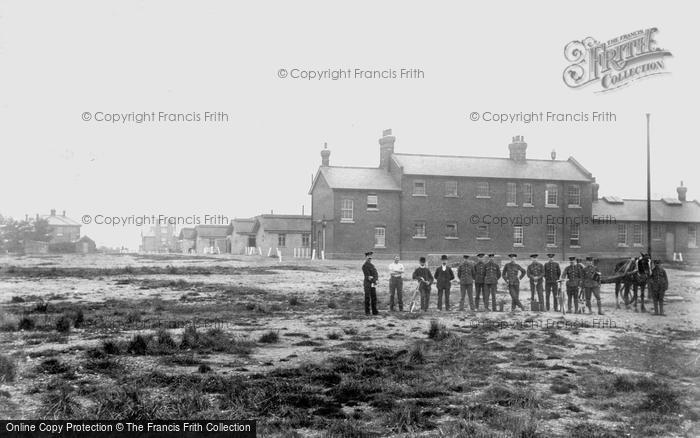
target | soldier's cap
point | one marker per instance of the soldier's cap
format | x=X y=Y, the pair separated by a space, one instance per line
x=481 y=254
x=572 y=258
x=589 y=259
x=422 y=259
x=368 y=253
x=578 y=259
x=534 y=255
x=465 y=256
x=550 y=255
x=443 y=257
x=492 y=255
x=512 y=255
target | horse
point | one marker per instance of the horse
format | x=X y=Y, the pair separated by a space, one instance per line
x=633 y=273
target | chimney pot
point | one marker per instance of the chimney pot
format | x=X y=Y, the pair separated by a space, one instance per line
x=518 y=148
x=386 y=148
x=325 y=155
x=682 y=191
x=595 y=188
x=64 y=213
x=554 y=154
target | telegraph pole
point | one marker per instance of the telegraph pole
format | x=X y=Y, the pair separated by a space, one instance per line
x=648 y=190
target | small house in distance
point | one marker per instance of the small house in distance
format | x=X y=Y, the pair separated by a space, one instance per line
x=212 y=239
x=186 y=240
x=267 y=233
x=243 y=236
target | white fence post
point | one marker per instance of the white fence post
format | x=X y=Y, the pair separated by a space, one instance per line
x=313 y=255
x=279 y=254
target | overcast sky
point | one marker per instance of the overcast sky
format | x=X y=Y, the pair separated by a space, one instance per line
x=65 y=58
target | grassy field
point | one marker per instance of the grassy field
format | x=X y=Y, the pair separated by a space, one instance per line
x=170 y=337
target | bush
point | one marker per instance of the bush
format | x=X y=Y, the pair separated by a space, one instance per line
x=111 y=347
x=8 y=369
x=294 y=300
x=26 y=323
x=270 y=337
x=138 y=344
x=334 y=336
x=437 y=331
x=78 y=318
x=63 y=324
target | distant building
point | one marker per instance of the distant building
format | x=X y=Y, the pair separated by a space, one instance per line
x=244 y=235
x=62 y=228
x=267 y=233
x=212 y=239
x=159 y=238
x=186 y=240
x=674 y=228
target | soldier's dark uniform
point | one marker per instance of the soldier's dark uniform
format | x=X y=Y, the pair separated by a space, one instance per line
x=591 y=286
x=658 y=285
x=552 y=272
x=425 y=278
x=572 y=273
x=479 y=273
x=443 y=281
x=512 y=274
x=466 y=274
x=370 y=283
x=492 y=272
x=535 y=271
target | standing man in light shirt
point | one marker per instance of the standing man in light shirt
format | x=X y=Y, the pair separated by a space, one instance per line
x=396 y=284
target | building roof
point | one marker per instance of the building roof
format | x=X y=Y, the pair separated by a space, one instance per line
x=488 y=167
x=285 y=223
x=213 y=230
x=56 y=220
x=357 y=178
x=245 y=226
x=187 y=233
x=636 y=210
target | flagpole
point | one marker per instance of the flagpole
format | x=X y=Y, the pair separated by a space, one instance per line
x=648 y=189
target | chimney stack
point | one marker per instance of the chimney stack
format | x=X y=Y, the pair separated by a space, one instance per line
x=681 y=192
x=325 y=155
x=554 y=155
x=53 y=212
x=517 y=148
x=386 y=148
x=64 y=213
x=595 y=187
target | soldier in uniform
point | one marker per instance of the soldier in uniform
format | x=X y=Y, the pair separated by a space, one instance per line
x=370 y=284
x=512 y=274
x=535 y=272
x=425 y=280
x=443 y=279
x=591 y=284
x=479 y=273
x=552 y=273
x=465 y=273
x=572 y=274
x=492 y=272
x=658 y=285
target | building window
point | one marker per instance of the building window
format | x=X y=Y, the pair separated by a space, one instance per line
x=372 y=202
x=692 y=236
x=482 y=232
x=451 y=230
x=419 y=188
x=574 y=196
x=527 y=194
x=637 y=234
x=511 y=194
x=575 y=235
x=419 y=230
x=346 y=210
x=482 y=189
x=282 y=240
x=551 y=195
x=451 y=189
x=551 y=235
x=306 y=240
x=657 y=231
x=518 y=235
x=621 y=234
x=379 y=237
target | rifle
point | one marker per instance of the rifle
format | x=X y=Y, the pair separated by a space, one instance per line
x=416 y=294
x=561 y=295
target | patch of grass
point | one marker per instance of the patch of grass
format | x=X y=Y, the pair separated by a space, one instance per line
x=52 y=366
x=16 y=299
x=204 y=368
x=270 y=337
x=417 y=354
x=41 y=307
x=518 y=424
x=332 y=304
x=308 y=343
x=78 y=318
x=111 y=347
x=124 y=403
x=8 y=323
x=347 y=428
x=8 y=369
x=162 y=343
x=215 y=340
x=294 y=300
x=60 y=403
x=133 y=316
x=334 y=336
x=662 y=400
x=350 y=331
x=437 y=331
x=593 y=430
x=507 y=396
x=139 y=344
x=407 y=418
x=104 y=365
x=63 y=324
x=26 y=323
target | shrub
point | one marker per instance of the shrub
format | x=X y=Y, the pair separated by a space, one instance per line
x=111 y=347
x=63 y=324
x=294 y=300
x=8 y=369
x=78 y=318
x=52 y=366
x=437 y=331
x=41 y=307
x=60 y=404
x=270 y=337
x=17 y=299
x=138 y=344
x=416 y=355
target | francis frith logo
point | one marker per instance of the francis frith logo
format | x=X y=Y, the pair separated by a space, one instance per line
x=615 y=63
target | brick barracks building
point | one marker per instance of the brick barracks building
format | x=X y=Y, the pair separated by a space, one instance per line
x=416 y=204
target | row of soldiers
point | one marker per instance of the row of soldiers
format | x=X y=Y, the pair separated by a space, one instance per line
x=479 y=279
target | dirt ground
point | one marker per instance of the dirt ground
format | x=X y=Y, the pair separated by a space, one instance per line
x=287 y=343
